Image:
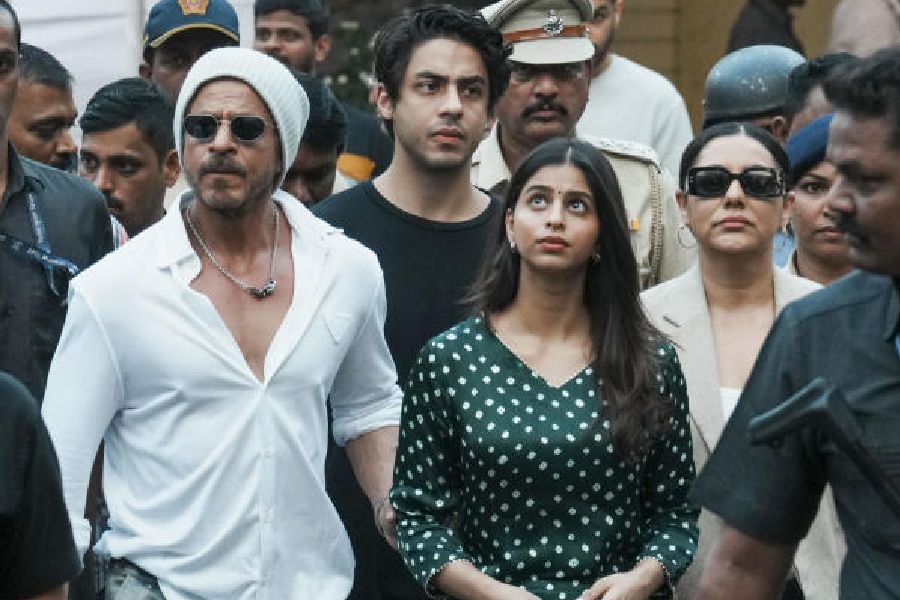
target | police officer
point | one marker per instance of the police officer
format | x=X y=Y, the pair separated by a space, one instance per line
x=751 y=84
x=546 y=96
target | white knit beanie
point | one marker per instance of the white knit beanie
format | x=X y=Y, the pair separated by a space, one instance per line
x=280 y=91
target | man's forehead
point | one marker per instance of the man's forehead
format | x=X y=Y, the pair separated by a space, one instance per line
x=282 y=18
x=852 y=137
x=446 y=56
x=126 y=139
x=225 y=91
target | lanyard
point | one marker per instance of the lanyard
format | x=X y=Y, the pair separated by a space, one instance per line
x=897 y=342
x=40 y=251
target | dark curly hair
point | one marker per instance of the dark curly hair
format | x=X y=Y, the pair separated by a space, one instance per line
x=625 y=343
x=870 y=89
x=395 y=42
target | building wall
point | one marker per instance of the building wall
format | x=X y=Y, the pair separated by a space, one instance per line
x=683 y=39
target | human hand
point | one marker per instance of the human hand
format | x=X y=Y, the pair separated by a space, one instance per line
x=636 y=584
x=386 y=521
x=511 y=592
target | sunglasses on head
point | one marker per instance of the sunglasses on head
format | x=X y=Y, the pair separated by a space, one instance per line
x=244 y=128
x=713 y=182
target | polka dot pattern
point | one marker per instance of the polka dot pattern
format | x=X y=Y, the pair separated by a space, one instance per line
x=498 y=467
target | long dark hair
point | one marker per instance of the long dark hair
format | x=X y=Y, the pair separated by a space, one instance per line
x=624 y=341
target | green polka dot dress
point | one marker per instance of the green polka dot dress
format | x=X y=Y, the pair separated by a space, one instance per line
x=500 y=468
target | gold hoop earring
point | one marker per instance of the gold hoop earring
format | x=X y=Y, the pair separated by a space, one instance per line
x=678 y=232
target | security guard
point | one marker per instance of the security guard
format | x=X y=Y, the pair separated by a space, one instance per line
x=751 y=84
x=547 y=93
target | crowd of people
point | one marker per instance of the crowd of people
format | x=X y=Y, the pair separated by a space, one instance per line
x=511 y=339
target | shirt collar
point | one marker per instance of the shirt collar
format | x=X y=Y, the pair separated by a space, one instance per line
x=492 y=168
x=17 y=179
x=892 y=318
x=174 y=245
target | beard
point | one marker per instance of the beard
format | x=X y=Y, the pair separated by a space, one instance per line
x=601 y=51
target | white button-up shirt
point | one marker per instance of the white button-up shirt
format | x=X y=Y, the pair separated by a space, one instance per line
x=214 y=479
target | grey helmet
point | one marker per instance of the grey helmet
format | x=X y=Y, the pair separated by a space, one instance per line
x=748 y=83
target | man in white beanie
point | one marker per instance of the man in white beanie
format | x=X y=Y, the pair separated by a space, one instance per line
x=203 y=352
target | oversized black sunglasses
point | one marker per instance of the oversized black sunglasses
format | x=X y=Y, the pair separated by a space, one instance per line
x=713 y=182
x=244 y=128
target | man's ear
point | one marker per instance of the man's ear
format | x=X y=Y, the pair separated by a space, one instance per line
x=383 y=102
x=489 y=126
x=322 y=47
x=170 y=168
x=780 y=129
x=145 y=71
x=617 y=6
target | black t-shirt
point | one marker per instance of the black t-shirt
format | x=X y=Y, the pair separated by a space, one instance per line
x=845 y=333
x=37 y=552
x=428 y=267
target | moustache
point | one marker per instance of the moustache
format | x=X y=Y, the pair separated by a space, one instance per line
x=113 y=203
x=846 y=224
x=544 y=105
x=221 y=165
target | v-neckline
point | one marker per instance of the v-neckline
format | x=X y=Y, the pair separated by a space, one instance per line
x=587 y=369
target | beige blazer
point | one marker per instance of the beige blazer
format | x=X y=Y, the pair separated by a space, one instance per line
x=679 y=309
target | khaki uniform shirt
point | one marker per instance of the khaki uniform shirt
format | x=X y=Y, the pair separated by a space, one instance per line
x=649 y=197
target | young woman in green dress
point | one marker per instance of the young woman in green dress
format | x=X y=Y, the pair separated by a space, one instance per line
x=544 y=448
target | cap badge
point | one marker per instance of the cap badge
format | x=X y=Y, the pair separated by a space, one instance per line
x=553 y=26
x=193 y=7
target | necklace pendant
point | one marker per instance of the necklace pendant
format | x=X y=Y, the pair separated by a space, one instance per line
x=261 y=293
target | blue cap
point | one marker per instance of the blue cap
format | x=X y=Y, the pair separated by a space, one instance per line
x=169 y=17
x=806 y=148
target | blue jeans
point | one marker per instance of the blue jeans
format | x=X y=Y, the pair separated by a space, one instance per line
x=127 y=581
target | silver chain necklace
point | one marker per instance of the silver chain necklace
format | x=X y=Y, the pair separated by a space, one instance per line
x=260 y=293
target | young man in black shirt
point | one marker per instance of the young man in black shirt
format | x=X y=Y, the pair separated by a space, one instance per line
x=440 y=71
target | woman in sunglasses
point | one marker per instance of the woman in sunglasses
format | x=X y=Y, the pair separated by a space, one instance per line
x=544 y=447
x=734 y=197
x=821 y=253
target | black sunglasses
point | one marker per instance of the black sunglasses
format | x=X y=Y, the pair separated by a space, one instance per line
x=244 y=128
x=713 y=182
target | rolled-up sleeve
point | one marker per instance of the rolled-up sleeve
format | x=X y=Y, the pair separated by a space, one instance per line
x=365 y=395
x=84 y=392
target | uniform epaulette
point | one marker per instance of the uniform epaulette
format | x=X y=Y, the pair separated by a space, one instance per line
x=623 y=148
